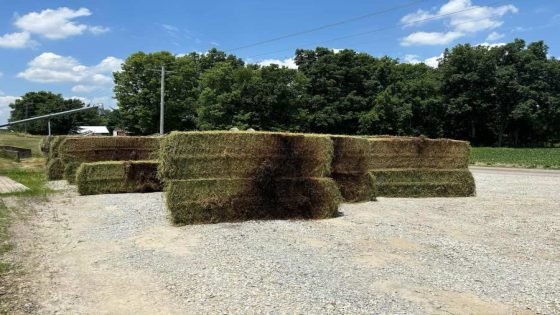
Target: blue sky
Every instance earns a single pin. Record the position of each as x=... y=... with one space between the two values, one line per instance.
x=71 y=47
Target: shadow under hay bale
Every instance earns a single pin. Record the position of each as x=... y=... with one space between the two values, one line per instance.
x=231 y=176
x=113 y=177
x=74 y=151
x=197 y=201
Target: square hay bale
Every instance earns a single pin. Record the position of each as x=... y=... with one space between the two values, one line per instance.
x=424 y=182
x=350 y=168
x=417 y=152
x=356 y=187
x=196 y=201
x=217 y=154
x=55 y=169
x=113 y=177
x=74 y=151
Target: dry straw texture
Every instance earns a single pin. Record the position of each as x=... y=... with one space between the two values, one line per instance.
x=117 y=177
x=197 y=201
x=212 y=154
x=44 y=145
x=424 y=183
x=54 y=165
x=74 y=151
x=231 y=176
x=350 y=168
x=407 y=152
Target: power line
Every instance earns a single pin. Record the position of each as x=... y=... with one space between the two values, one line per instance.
x=435 y=17
x=361 y=17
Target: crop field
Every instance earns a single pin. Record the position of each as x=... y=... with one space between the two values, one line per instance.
x=516 y=157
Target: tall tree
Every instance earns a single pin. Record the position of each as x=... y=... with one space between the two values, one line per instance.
x=34 y=104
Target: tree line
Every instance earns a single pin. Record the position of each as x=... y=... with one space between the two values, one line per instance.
x=505 y=95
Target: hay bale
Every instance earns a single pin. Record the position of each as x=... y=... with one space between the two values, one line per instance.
x=196 y=201
x=55 y=169
x=350 y=168
x=54 y=165
x=215 y=154
x=44 y=145
x=356 y=187
x=113 y=177
x=419 y=152
x=74 y=151
x=424 y=182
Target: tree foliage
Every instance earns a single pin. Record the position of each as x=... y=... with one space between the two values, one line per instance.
x=505 y=95
x=42 y=103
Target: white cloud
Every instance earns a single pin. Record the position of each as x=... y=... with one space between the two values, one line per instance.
x=16 y=40
x=96 y=30
x=57 y=23
x=416 y=17
x=413 y=59
x=52 y=68
x=80 y=88
x=5 y=100
x=494 y=36
x=433 y=61
x=430 y=38
x=289 y=62
x=471 y=19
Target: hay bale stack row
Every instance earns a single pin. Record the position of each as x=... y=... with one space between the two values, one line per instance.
x=420 y=167
x=74 y=151
x=232 y=176
x=111 y=177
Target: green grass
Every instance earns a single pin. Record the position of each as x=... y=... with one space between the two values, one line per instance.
x=516 y=157
x=29 y=172
x=21 y=140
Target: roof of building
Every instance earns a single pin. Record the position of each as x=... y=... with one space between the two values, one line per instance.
x=92 y=129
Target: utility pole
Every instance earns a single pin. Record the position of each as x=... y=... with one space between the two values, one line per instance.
x=162 y=98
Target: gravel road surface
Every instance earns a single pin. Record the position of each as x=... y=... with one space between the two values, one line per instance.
x=497 y=253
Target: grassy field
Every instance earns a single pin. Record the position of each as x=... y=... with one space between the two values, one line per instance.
x=517 y=157
x=21 y=140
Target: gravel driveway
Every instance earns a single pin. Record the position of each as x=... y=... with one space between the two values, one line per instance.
x=495 y=253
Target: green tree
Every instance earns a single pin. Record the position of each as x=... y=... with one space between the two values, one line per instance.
x=342 y=87
x=41 y=103
x=266 y=98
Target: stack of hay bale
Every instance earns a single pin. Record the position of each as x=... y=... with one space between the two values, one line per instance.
x=55 y=168
x=113 y=177
x=73 y=151
x=350 y=168
x=232 y=176
x=420 y=167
